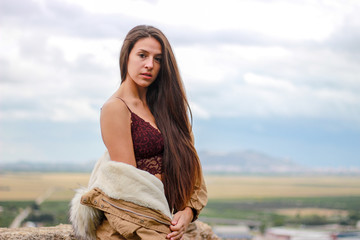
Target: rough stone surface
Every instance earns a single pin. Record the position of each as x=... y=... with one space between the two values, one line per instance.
x=200 y=230
x=60 y=232
x=196 y=231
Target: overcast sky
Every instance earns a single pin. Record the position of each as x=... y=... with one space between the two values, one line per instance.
x=275 y=76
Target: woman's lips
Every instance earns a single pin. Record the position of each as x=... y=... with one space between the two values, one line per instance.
x=146 y=75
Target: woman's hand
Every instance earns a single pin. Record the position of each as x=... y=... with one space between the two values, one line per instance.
x=180 y=223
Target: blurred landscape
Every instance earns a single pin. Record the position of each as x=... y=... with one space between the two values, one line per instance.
x=280 y=78
x=241 y=162
x=251 y=195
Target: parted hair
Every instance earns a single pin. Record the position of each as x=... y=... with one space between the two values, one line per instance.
x=167 y=101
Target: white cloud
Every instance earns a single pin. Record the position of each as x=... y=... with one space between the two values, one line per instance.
x=198 y=111
x=305 y=20
x=268 y=82
x=264 y=96
x=56 y=78
x=104 y=51
x=136 y=7
x=251 y=60
x=282 y=68
x=201 y=65
x=70 y=110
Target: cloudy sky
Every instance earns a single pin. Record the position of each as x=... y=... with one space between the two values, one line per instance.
x=275 y=76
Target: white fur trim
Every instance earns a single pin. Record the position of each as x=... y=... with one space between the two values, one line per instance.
x=119 y=181
x=84 y=219
x=123 y=181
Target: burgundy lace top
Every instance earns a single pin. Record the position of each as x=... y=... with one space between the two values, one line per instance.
x=148 y=144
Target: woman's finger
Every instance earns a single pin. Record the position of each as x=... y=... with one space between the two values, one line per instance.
x=175 y=220
x=177 y=233
x=177 y=227
x=172 y=235
x=178 y=236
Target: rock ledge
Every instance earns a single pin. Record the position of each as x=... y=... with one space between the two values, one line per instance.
x=196 y=231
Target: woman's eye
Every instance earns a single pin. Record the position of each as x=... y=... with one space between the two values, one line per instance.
x=158 y=59
x=141 y=55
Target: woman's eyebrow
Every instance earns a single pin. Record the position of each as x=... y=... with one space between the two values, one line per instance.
x=143 y=50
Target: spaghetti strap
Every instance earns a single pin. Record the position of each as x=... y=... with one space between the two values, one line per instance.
x=125 y=104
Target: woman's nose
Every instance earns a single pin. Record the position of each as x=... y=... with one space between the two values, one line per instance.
x=149 y=63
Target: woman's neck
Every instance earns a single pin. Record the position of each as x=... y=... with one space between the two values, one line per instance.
x=129 y=89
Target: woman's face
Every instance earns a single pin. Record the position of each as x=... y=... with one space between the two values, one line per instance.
x=144 y=61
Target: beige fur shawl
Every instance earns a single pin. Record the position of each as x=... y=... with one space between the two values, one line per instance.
x=119 y=181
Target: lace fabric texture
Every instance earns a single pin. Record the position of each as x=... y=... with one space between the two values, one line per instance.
x=148 y=145
x=152 y=165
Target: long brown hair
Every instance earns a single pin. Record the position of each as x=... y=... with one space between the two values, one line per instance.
x=167 y=101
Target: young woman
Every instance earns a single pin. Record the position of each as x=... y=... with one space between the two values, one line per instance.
x=149 y=183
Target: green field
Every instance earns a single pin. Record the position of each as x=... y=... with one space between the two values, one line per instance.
x=270 y=199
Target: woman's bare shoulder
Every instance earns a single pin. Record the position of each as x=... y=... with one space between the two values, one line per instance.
x=115 y=123
x=114 y=107
x=115 y=120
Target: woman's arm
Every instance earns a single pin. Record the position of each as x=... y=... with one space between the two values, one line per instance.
x=180 y=223
x=115 y=123
x=198 y=199
x=182 y=219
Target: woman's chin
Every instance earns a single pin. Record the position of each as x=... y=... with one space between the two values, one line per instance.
x=144 y=83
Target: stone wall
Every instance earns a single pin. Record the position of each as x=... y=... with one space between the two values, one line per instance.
x=197 y=231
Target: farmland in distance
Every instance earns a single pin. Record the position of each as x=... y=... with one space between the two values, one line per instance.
x=28 y=186
x=273 y=198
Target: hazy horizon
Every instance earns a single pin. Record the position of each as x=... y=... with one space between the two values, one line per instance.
x=277 y=77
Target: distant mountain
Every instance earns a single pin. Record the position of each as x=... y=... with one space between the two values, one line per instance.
x=27 y=166
x=247 y=162
x=242 y=162
x=254 y=162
